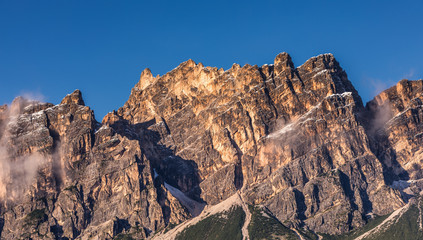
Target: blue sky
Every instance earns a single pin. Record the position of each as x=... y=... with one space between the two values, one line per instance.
x=50 y=48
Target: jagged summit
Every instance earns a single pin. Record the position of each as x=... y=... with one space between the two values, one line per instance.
x=295 y=143
x=320 y=76
x=146 y=79
x=189 y=63
x=404 y=91
x=146 y=73
x=323 y=61
x=282 y=61
x=75 y=97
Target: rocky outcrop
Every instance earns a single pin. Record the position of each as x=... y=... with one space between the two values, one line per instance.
x=397 y=116
x=295 y=140
x=275 y=132
x=90 y=180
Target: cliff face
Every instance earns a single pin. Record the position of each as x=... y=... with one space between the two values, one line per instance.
x=397 y=120
x=296 y=140
x=89 y=180
x=292 y=139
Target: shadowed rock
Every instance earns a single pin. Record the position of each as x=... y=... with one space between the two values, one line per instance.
x=296 y=140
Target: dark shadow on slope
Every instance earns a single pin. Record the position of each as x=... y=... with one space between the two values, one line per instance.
x=346 y=186
x=239 y=177
x=176 y=171
x=301 y=205
x=1 y=226
x=57 y=230
x=350 y=189
x=120 y=225
x=380 y=144
x=385 y=152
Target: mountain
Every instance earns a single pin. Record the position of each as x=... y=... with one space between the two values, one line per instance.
x=275 y=151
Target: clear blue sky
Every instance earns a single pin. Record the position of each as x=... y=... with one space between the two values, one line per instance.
x=50 y=48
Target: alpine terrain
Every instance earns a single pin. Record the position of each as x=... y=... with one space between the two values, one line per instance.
x=272 y=152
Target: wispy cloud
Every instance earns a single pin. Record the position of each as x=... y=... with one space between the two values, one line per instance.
x=410 y=74
x=378 y=85
x=33 y=95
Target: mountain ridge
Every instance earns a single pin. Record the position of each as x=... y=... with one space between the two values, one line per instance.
x=295 y=140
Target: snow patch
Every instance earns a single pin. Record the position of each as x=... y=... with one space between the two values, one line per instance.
x=104 y=127
x=418 y=135
x=344 y=94
x=402 y=184
x=315 y=58
x=288 y=128
x=400 y=114
x=293 y=125
x=155 y=173
x=321 y=72
x=193 y=206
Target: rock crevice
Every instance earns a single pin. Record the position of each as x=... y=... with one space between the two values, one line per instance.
x=295 y=140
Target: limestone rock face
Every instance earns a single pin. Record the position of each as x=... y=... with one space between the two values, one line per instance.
x=87 y=180
x=397 y=122
x=296 y=140
x=75 y=98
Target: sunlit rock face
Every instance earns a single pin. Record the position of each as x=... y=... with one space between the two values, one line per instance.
x=67 y=176
x=296 y=140
x=398 y=125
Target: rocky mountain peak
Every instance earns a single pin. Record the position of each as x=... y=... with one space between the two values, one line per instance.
x=282 y=62
x=23 y=105
x=74 y=98
x=284 y=58
x=18 y=105
x=321 y=62
x=189 y=63
x=295 y=141
x=145 y=80
x=146 y=73
x=400 y=96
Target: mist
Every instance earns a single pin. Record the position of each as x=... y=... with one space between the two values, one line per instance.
x=280 y=142
x=16 y=174
x=17 y=170
x=382 y=114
